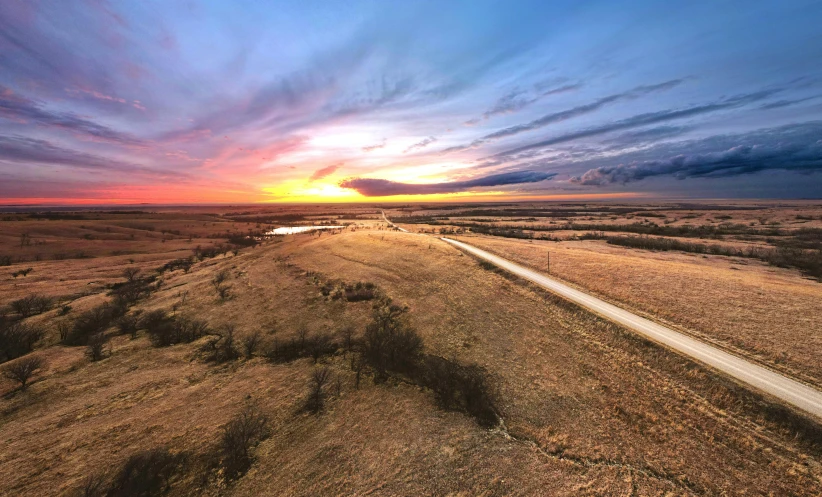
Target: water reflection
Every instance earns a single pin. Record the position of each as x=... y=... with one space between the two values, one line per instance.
x=290 y=230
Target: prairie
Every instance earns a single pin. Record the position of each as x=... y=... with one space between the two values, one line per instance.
x=584 y=408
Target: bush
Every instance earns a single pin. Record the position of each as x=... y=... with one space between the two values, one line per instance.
x=128 y=325
x=31 y=305
x=21 y=370
x=239 y=437
x=165 y=330
x=315 y=346
x=17 y=339
x=146 y=473
x=462 y=388
x=184 y=264
x=218 y=282
x=129 y=293
x=320 y=345
x=220 y=348
x=96 y=347
x=390 y=344
x=89 y=323
x=360 y=291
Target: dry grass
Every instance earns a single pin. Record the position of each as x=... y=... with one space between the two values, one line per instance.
x=760 y=311
x=591 y=410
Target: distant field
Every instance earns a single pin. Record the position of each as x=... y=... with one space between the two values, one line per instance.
x=585 y=408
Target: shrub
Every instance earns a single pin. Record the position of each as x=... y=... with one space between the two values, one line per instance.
x=128 y=325
x=320 y=345
x=360 y=291
x=165 y=330
x=315 y=346
x=146 y=473
x=89 y=323
x=22 y=369
x=17 y=339
x=389 y=343
x=239 y=437
x=218 y=282
x=184 y=264
x=129 y=293
x=96 y=346
x=458 y=387
x=220 y=348
x=31 y=305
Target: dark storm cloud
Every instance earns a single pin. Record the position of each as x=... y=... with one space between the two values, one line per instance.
x=381 y=187
x=644 y=120
x=791 y=148
x=20 y=109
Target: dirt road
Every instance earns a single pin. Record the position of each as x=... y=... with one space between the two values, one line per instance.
x=790 y=391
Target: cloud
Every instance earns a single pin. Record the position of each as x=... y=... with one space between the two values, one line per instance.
x=383 y=188
x=517 y=100
x=24 y=150
x=789 y=148
x=18 y=108
x=632 y=138
x=582 y=109
x=324 y=172
x=371 y=148
x=785 y=103
x=644 y=120
x=511 y=102
x=421 y=144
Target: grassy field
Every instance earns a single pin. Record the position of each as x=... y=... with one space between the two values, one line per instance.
x=759 y=311
x=584 y=408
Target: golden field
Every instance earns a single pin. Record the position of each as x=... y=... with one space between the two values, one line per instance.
x=585 y=408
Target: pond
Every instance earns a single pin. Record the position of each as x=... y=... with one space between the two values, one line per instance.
x=290 y=230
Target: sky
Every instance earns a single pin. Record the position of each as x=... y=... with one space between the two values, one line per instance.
x=195 y=101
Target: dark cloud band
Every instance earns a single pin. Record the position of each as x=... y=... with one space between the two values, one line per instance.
x=383 y=188
x=790 y=148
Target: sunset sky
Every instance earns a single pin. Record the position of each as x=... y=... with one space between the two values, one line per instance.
x=249 y=101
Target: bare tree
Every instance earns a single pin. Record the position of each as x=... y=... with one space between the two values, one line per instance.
x=239 y=437
x=130 y=273
x=316 y=394
x=348 y=338
x=250 y=344
x=17 y=339
x=23 y=369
